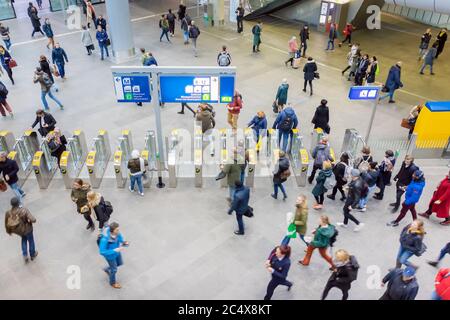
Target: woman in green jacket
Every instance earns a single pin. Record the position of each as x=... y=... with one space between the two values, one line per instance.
x=282 y=94
x=319 y=189
x=322 y=236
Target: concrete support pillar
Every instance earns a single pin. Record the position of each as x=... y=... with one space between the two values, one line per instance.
x=120 y=30
x=218 y=11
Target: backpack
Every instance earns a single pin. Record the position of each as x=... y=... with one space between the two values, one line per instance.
x=47 y=81
x=286 y=124
x=53 y=146
x=13 y=221
x=321 y=156
x=330 y=182
x=224 y=59
x=254 y=29
x=3 y=90
x=365 y=189
x=363 y=166
x=194 y=32
x=333 y=238
x=353 y=274
x=108 y=208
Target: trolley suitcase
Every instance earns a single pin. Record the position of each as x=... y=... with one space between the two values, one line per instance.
x=296 y=63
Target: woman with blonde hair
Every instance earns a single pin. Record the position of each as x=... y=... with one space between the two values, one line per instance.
x=56 y=143
x=101 y=208
x=411 y=243
x=320 y=188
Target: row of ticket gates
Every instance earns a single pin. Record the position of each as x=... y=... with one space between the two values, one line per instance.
x=33 y=154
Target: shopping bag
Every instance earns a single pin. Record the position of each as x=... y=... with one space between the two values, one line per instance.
x=405 y=124
x=296 y=63
x=12 y=63
x=3 y=186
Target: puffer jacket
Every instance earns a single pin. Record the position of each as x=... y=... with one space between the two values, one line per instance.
x=414 y=191
x=310 y=69
x=79 y=196
x=442 y=284
x=345 y=273
x=411 y=241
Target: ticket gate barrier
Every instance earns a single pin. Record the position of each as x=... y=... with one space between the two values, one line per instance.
x=250 y=152
x=273 y=147
x=353 y=143
x=6 y=141
x=299 y=159
x=126 y=144
x=173 y=143
x=224 y=154
x=23 y=153
x=72 y=160
x=198 y=157
x=149 y=154
x=44 y=165
x=120 y=168
x=98 y=157
x=316 y=136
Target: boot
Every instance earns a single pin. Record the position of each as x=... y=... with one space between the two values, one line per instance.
x=331 y=196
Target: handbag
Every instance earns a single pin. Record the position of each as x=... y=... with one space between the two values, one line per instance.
x=221 y=175
x=3 y=186
x=12 y=63
x=108 y=42
x=91 y=47
x=316 y=75
x=249 y=212
x=275 y=107
x=405 y=124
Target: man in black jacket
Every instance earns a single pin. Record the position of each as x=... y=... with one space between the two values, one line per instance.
x=322 y=117
x=9 y=169
x=240 y=204
x=46 y=122
x=402 y=284
x=403 y=179
x=304 y=36
x=240 y=18
x=355 y=191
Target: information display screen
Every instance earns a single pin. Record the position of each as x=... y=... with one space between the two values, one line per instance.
x=363 y=93
x=132 y=88
x=196 y=89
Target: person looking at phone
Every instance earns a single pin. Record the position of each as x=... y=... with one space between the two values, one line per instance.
x=110 y=247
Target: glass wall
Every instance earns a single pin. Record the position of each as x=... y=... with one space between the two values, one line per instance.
x=55 y=5
x=6 y=10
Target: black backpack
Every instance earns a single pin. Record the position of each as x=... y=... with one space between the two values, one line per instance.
x=108 y=208
x=3 y=91
x=254 y=29
x=353 y=269
x=286 y=124
x=333 y=238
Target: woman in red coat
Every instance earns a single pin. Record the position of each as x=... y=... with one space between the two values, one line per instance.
x=440 y=203
x=442 y=285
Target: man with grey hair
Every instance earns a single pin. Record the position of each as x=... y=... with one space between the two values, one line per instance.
x=9 y=170
x=194 y=32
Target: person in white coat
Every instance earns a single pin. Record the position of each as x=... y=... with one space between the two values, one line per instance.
x=86 y=39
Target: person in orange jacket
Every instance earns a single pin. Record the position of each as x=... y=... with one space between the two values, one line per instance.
x=442 y=285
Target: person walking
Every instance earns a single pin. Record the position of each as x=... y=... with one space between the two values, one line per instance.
x=234 y=109
x=164 y=26
x=361 y=71
x=206 y=119
x=372 y=71
x=224 y=57
x=442 y=285
x=194 y=32
x=5 y=59
x=412 y=119
x=284 y=123
x=350 y=57
x=239 y=204
x=386 y=167
x=345 y=272
x=370 y=177
x=86 y=39
x=411 y=243
x=102 y=210
x=6 y=36
x=240 y=12
x=442 y=39
x=47 y=28
x=101 y=22
x=35 y=21
x=304 y=37
x=171 y=20
x=293 y=51
x=445 y=250
x=280 y=175
x=356 y=58
x=45 y=66
x=332 y=35
x=424 y=43
x=355 y=190
x=59 y=58
x=393 y=82
x=341 y=173
x=320 y=154
x=282 y=94
x=429 y=59
x=110 y=247
x=80 y=189
x=301 y=217
x=137 y=168
x=90 y=15
x=412 y=196
x=402 y=284
x=232 y=171
x=46 y=122
x=322 y=185
x=256 y=31
x=103 y=40
x=310 y=71
x=46 y=86
x=185 y=105
x=57 y=144
x=181 y=11
x=4 y=105
x=185 y=28
x=322 y=117
x=259 y=127
x=19 y=221
x=9 y=169
x=403 y=179
x=278 y=264
x=323 y=236
x=440 y=202
x=348 y=30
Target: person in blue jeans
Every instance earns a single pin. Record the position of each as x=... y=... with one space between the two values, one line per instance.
x=332 y=35
x=19 y=220
x=102 y=38
x=136 y=166
x=46 y=86
x=9 y=169
x=59 y=58
x=240 y=205
x=411 y=243
x=445 y=250
x=280 y=175
x=110 y=246
x=4 y=33
x=259 y=127
x=285 y=122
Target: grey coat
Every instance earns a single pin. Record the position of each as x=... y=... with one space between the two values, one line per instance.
x=430 y=55
x=86 y=38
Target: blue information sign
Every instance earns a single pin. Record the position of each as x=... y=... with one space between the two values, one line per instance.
x=132 y=88
x=196 y=89
x=363 y=93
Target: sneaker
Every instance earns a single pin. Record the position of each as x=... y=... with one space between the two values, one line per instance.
x=274 y=196
x=394 y=210
x=343 y=198
x=23 y=195
x=284 y=197
x=341 y=224
x=88 y=226
x=131 y=190
x=425 y=215
x=393 y=204
x=391 y=101
x=330 y=196
x=180 y=112
x=141 y=194
x=34 y=257
x=302 y=263
x=362 y=209
x=289 y=287
x=421 y=73
x=378 y=197
x=359 y=227
x=304 y=90
x=238 y=233
x=116 y=286
x=392 y=224
x=433 y=263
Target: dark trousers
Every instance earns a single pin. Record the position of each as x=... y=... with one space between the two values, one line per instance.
x=28 y=243
x=384 y=180
x=320 y=198
x=304 y=46
x=359 y=77
x=166 y=33
x=37 y=30
x=240 y=25
x=386 y=296
x=341 y=190
x=347 y=68
x=275 y=282
x=349 y=216
x=313 y=172
x=88 y=49
x=87 y=217
x=185 y=105
x=405 y=209
x=398 y=196
x=310 y=85
x=333 y=284
x=240 y=222
x=172 y=27
x=9 y=72
x=444 y=251
x=348 y=38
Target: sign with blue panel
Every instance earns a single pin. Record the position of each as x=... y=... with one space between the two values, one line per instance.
x=363 y=93
x=132 y=87
x=197 y=88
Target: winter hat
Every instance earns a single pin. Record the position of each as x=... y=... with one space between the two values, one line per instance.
x=355 y=173
x=409 y=272
x=418 y=174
